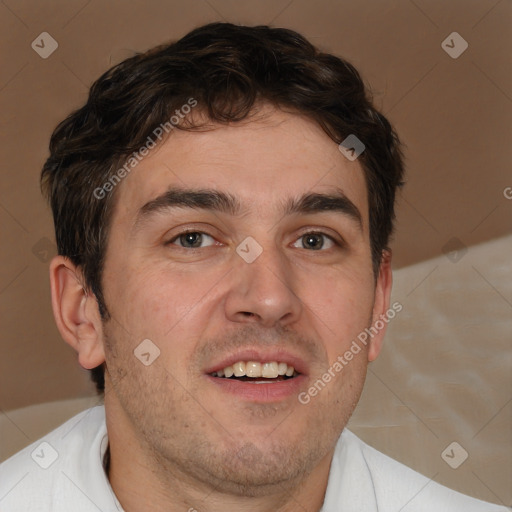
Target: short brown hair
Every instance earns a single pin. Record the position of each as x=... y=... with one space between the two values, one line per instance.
x=227 y=69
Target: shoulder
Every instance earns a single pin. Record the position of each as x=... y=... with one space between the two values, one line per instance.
x=363 y=475
x=59 y=470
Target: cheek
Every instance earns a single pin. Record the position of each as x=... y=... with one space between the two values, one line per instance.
x=150 y=306
x=161 y=305
x=342 y=299
x=342 y=308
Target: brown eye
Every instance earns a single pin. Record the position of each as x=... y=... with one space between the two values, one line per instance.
x=315 y=241
x=312 y=241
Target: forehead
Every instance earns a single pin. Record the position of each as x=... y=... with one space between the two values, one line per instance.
x=263 y=162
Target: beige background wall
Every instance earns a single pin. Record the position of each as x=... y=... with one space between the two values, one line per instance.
x=443 y=375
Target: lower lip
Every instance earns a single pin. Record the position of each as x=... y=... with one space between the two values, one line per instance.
x=250 y=391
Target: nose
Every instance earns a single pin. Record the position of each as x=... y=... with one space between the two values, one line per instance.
x=263 y=292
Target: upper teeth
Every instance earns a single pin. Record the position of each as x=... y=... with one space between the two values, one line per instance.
x=255 y=369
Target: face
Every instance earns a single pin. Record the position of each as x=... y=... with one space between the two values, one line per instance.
x=267 y=262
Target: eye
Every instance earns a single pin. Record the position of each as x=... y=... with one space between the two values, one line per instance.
x=192 y=240
x=315 y=241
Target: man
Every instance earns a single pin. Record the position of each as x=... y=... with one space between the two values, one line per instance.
x=223 y=207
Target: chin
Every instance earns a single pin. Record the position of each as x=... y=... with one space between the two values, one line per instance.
x=252 y=470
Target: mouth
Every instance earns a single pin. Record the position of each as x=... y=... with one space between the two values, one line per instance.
x=256 y=372
x=259 y=378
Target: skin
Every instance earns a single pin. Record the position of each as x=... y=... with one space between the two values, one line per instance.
x=173 y=433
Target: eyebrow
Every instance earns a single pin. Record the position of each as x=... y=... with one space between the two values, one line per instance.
x=218 y=201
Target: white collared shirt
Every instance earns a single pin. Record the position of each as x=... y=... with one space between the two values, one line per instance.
x=64 y=472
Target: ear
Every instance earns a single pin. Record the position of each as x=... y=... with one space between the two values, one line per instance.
x=76 y=312
x=381 y=304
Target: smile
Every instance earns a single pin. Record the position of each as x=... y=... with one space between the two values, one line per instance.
x=276 y=381
x=256 y=372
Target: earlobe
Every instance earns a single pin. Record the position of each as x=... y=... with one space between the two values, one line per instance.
x=76 y=312
x=381 y=304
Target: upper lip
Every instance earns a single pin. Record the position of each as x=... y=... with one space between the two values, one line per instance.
x=262 y=356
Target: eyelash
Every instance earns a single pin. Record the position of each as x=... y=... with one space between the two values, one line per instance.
x=337 y=243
